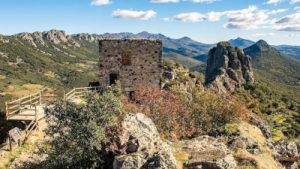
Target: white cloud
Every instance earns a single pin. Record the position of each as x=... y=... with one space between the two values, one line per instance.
x=190 y=17
x=175 y=1
x=100 y=2
x=294 y=35
x=290 y=19
x=277 y=11
x=202 y=1
x=274 y=1
x=248 y=18
x=297 y=8
x=263 y=34
x=287 y=23
x=198 y=17
x=131 y=14
x=294 y=1
x=290 y=28
x=164 y=1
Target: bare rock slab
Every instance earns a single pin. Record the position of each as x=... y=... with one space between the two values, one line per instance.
x=146 y=150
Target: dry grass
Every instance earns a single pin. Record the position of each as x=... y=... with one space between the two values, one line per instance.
x=26 y=89
x=180 y=155
x=263 y=160
x=51 y=74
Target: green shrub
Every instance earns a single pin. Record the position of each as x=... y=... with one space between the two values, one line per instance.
x=78 y=132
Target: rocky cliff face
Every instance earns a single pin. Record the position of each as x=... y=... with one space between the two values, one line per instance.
x=228 y=68
x=143 y=146
x=40 y=38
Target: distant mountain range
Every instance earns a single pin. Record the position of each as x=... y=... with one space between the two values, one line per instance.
x=240 y=42
x=274 y=63
x=185 y=49
x=57 y=59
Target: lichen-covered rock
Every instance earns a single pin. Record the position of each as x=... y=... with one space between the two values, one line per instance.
x=144 y=147
x=130 y=161
x=228 y=68
x=208 y=152
x=176 y=75
x=286 y=149
x=246 y=143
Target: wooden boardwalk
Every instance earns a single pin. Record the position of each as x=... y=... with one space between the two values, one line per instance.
x=24 y=108
x=35 y=113
x=31 y=109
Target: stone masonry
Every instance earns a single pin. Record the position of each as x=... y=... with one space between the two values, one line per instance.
x=133 y=62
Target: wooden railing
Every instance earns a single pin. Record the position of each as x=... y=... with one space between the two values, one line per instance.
x=78 y=92
x=33 y=125
x=30 y=103
x=27 y=102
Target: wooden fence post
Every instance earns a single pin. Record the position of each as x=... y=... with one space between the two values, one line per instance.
x=40 y=94
x=6 y=109
x=35 y=111
x=30 y=101
x=36 y=119
x=19 y=104
x=10 y=144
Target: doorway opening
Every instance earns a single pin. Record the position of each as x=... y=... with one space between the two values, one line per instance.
x=113 y=77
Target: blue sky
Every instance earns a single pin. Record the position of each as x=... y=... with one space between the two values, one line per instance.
x=207 y=21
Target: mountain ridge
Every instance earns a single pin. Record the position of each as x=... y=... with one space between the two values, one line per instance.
x=194 y=49
x=272 y=65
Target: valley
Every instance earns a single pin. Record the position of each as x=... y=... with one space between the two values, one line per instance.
x=56 y=60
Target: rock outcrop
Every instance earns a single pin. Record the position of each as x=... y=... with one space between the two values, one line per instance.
x=27 y=37
x=86 y=37
x=177 y=75
x=144 y=148
x=56 y=36
x=287 y=153
x=228 y=68
x=39 y=38
x=208 y=152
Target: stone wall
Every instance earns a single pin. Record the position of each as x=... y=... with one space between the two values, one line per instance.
x=133 y=62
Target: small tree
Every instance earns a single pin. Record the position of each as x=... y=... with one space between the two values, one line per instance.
x=78 y=132
x=165 y=109
x=210 y=111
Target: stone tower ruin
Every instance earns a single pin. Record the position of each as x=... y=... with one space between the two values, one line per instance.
x=133 y=62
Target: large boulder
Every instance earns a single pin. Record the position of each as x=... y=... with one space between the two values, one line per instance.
x=228 y=68
x=286 y=149
x=144 y=148
x=208 y=153
x=287 y=154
